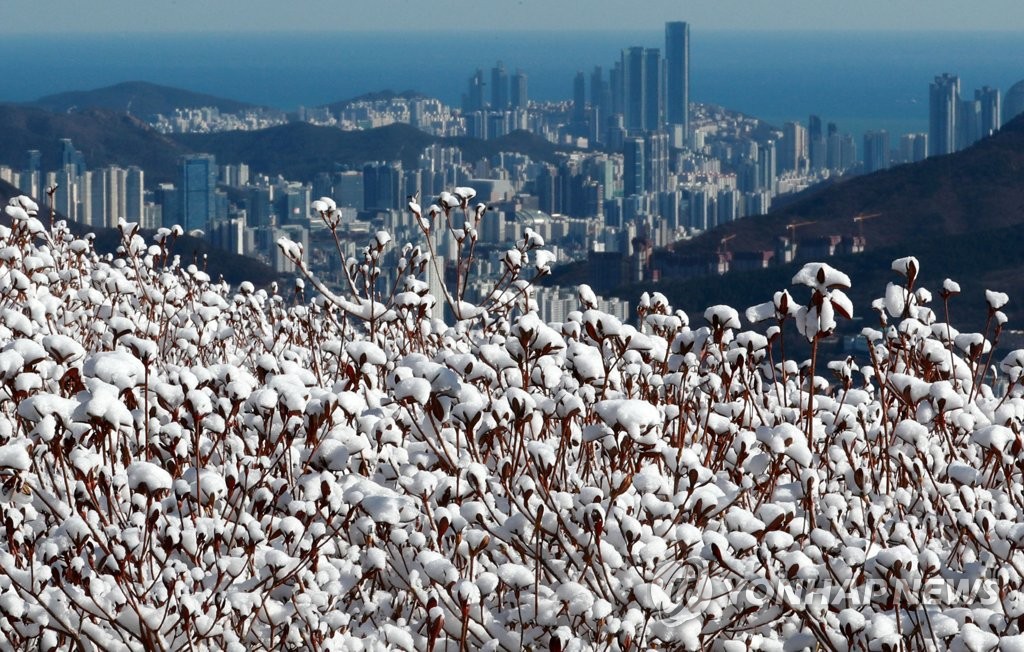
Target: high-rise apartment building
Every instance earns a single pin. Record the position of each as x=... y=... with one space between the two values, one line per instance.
x=654 y=89
x=499 y=87
x=943 y=106
x=766 y=166
x=991 y=109
x=348 y=188
x=518 y=95
x=383 y=185
x=634 y=159
x=642 y=89
x=579 y=100
x=634 y=89
x=198 y=182
x=473 y=100
x=913 y=147
x=968 y=123
x=134 y=206
x=65 y=200
x=656 y=161
x=677 y=76
x=1014 y=102
x=600 y=95
x=71 y=156
x=96 y=213
x=616 y=84
x=116 y=183
x=876 y=151
x=817 y=148
x=32 y=177
x=794 y=147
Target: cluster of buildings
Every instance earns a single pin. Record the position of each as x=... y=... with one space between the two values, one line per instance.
x=642 y=168
x=96 y=197
x=210 y=119
x=956 y=122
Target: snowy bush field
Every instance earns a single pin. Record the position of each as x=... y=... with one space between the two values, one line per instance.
x=185 y=465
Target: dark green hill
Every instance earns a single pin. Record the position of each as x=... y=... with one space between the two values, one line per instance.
x=104 y=137
x=979 y=188
x=977 y=261
x=961 y=215
x=299 y=150
x=536 y=147
x=137 y=98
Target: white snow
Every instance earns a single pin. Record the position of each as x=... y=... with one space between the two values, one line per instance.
x=239 y=459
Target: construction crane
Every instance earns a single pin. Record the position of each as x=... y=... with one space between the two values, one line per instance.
x=723 y=244
x=792 y=229
x=860 y=219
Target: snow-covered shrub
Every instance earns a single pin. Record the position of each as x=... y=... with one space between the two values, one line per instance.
x=184 y=464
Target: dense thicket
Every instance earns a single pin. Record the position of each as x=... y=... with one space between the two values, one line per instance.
x=188 y=464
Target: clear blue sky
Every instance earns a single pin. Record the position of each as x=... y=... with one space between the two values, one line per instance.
x=68 y=16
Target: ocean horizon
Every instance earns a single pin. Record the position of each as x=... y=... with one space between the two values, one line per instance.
x=859 y=80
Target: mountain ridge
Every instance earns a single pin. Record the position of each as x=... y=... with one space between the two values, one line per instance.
x=299 y=150
x=139 y=98
x=103 y=137
x=959 y=214
x=969 y=190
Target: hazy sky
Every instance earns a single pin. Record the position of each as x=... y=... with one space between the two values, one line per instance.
x=35 y=16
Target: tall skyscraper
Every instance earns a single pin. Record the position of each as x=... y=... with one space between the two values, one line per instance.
x=794 y=147
x=654 y=89
x=499 y=87
x=579 y=101
x=634 y=89
x=518 y=94
x=616 y=84
x=169 y=199
x=991 y=109
x=968 y=123
x=65 y=200
x=348 y=189
x=1014 y=104
x=600 y=94
x=876 y=151
x=766 y=167
x=35 y=161
x=943 y=105
x=847 y=152
x=677 y=68
x=117 y=194
x=656 y=161
x=198 y=181
x=473 y=100
x=643 y=90
x=383 y=185
x=435 y=274
x=32 y=178
x=816 y=144
x=259 y=207
x=85 y=198
x=98 y=195
x=634 y=177
x=134 y=194
x=913 y=147
x=71 y=156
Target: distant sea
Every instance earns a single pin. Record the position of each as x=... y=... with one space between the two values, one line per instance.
x=859 y=80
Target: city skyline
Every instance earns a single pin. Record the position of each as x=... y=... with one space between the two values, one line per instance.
x=66 y=16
